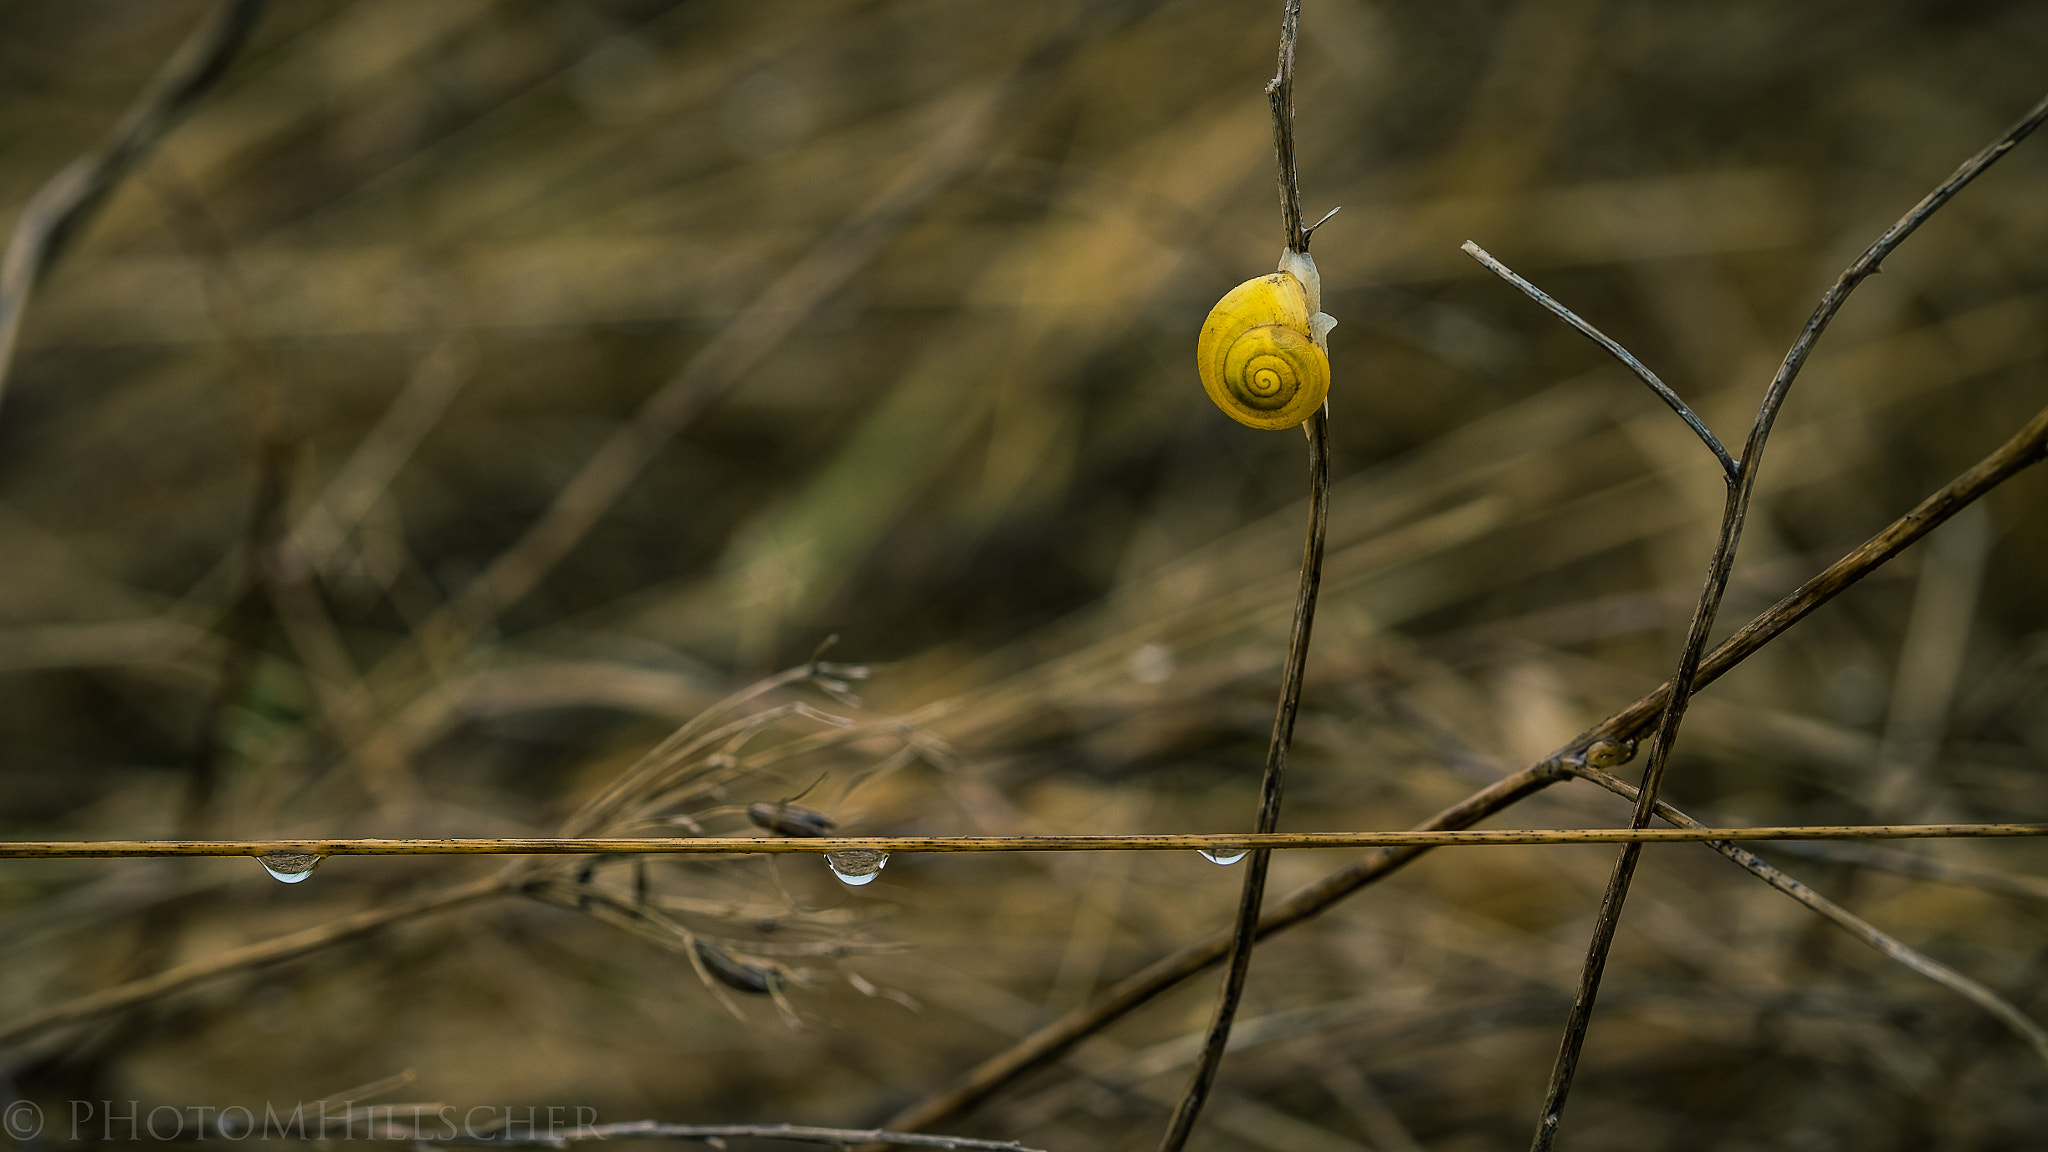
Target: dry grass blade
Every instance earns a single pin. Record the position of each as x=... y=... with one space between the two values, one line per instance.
x=2033 y=888
x=64 y=203
x=2009 y=1014
x=422 y=1126
x=789 y=844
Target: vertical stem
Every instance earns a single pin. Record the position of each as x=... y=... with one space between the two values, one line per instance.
x=1280 y=93
x=1245 y=932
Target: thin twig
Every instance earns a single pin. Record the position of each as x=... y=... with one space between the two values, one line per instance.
x=1280 y=94
x=1628 y=360
x=1733 y=518
x=2021 y=1024
x=822 y=845
x=1245 y=931
x=1924 y=868
x=66 y=200
x=2025 y=448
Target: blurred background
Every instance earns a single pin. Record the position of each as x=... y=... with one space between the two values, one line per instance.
x=465 y=394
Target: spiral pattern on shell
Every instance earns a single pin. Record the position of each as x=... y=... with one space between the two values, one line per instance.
x=1258 y=356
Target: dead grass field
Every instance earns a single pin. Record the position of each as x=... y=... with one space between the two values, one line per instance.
x=876 y=318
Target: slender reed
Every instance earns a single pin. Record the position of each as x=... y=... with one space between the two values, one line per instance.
x=824 y=845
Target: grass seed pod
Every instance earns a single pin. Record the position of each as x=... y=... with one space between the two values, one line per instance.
x=1261 y=354
x=786 y=819
x=734 y=973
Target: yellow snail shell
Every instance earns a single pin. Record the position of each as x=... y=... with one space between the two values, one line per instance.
x=1264 y=352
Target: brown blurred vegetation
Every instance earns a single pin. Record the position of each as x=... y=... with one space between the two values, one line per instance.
x=461 y=243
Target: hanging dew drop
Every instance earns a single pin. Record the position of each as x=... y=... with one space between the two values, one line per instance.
x=857 y=866
x=290 y=867
x=1226 y=855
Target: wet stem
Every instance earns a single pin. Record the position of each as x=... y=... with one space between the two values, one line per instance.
x=1245 y=930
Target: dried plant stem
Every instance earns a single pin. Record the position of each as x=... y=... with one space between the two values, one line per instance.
x=820 y=845
x=1733 y=519
x=2021 y=1024
x=1280 y=94
x=1627 y=358
x=2025 y=448
x=1245 y=933
x=66 y=199
x=1925 y=868
x=709 y=1133
x=260 y=954
x=420 y=1125
x=1272 y=785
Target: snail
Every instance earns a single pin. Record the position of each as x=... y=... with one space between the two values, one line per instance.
x=1264 y=352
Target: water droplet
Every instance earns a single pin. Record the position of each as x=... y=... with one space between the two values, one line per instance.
x=290 y=867
x=857 y=866
x=1225 y=854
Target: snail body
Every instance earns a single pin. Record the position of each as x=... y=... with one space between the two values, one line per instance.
x=1264 y=351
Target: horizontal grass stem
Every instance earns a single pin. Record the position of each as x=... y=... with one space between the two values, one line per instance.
x=754 y=845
